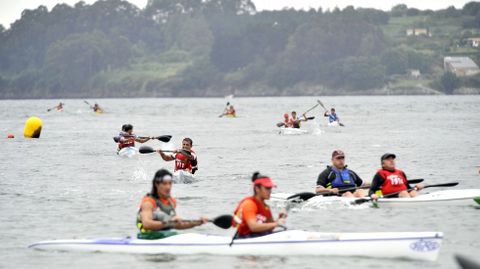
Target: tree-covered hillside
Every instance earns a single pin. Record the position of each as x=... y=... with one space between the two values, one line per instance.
x=217 y=47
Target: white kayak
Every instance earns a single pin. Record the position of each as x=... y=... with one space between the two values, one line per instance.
x=407 y=245
x=128 y=152
x=292 y=131
x=443 y=197
x=182 y=176
x=333 y=124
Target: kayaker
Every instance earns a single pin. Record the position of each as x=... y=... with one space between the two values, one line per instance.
x=231 y=111
x=332 y=115
x=60 y=106
x=389 y=180
x=157 y=211
x=97 y=108
x=185 y=159
x=338 y=177
x=294 y=121
x=127 y=138
x=253 y=216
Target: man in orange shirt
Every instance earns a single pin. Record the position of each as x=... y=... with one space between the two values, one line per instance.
x=157 y=215
x=253 y=216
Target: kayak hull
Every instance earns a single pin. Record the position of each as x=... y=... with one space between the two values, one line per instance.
x=444 y=197
x=407 y=245
x=128 y=152
x=181 y=176
x=292 y=131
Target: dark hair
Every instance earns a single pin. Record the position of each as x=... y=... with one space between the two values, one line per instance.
x=127 y=127
x=158 y=176
x=256 y=175
x=189 y=140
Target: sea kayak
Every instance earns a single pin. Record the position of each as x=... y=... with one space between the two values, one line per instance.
x=406 y=245
x=444 y=197
x=333 y=124
x=182 y=176
x=292 y=131
x=128 y=152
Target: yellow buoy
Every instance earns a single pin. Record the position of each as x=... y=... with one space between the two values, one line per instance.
x=33 y=127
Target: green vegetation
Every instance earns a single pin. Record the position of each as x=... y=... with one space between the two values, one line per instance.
x=213 y=48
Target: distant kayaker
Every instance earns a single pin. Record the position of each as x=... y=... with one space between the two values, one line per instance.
x=389 y=180
x=127 y=138
x=60 y=106
x=231 y=111
x=96 y=108
x=332 y=116
x=338 y=177
x=294 y=121
x=253 y=216
x=185 y=159
x=157 y=211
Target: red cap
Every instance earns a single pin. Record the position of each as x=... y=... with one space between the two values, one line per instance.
x=337 y=153
x=264 y=181
x=285 y=115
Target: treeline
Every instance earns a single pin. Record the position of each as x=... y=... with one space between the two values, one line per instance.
x=208 y=48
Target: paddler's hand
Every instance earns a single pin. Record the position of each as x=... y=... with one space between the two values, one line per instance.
x=283 y=214
x=203 y=220
x=419 y=186
x=374 y=197
x=334 y=190
x=281 y=222
x=176 y=219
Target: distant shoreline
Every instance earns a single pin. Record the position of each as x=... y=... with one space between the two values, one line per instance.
x=324 y=92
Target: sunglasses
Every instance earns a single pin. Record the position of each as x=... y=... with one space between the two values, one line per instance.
x=339 y=158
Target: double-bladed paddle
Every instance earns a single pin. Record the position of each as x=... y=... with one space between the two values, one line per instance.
x=163 y=138
x=304 y=196
x=222 y=221
x=147 y=150
x=363 y=200
x=280 y=124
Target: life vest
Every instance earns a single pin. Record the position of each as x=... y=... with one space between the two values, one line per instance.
x=394 y=181
x=332 y=117
x=182 y=162
x=161 y=211
x=294 y=123
x=126 y=140
x=263 y=214
x=343 y=179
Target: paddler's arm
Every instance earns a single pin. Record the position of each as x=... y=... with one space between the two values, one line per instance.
x=182 y=225
x=256 y=227
x=326 y=114
x=322 y=182
x=417 y=187
x=146 y=215
x=358 y=180
x=377 y=182
x=142 y=139
x=164 y=156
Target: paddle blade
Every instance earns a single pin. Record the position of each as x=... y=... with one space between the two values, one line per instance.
x=415 y=181
x=361 y=201
x=310 y=118
x=452 y=184
x=145 y=150
x=165 y=138
x=280 y=124
x=303 y=196
x=223 y=221
x=116 y=139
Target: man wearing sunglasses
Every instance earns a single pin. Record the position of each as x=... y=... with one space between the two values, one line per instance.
x=337 y=179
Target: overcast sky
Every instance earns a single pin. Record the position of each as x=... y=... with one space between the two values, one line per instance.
x=10 y=10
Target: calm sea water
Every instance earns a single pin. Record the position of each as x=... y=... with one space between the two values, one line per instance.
x=71 y=184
